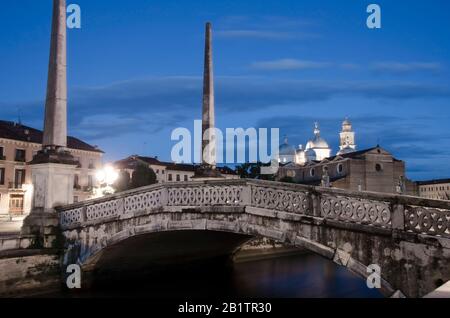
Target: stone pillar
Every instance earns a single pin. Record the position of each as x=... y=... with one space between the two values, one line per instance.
x=53 y=168
x=208 y=115
x=55 y=123
x=208 y=168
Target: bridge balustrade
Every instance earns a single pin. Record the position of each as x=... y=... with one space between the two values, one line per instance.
x=403 y=213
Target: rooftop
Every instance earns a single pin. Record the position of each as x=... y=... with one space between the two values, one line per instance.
x=358 y=154
x=435 y=181
x=19 y=132
x=130 y=161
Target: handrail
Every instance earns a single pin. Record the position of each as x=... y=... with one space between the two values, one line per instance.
x=394 y=212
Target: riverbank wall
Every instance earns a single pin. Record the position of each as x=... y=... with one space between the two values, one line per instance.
x=28 y=272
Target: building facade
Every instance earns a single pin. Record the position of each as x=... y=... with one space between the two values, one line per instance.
x=18 y=145
x=167 y=171
x=434 y=189
x=373 y=169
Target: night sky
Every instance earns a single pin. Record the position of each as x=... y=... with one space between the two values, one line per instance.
x=135 y=72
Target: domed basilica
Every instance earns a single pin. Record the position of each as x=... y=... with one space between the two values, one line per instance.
x=317 y=148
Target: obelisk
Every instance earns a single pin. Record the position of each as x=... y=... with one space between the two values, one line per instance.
x=52 y=168
x=54 y=139
x=55 y=123
x=208 y=166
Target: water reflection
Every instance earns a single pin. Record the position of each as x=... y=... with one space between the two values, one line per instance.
x=302 y=276
x=297 y=276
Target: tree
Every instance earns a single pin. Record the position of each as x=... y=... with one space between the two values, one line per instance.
x=123 y=181
x=253 y=171
x=142 y=176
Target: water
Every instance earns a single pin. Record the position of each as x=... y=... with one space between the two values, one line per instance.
x=297 y=276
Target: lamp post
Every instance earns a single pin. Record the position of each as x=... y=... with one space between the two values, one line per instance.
x=106 y=177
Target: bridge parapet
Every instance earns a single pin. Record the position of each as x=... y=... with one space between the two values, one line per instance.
x=403 y=213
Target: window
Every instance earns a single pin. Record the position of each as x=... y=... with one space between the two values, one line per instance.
x=2 y=153
x=19 y=178
x=75 y=199
x=378 y=168
x=2 y=176
x=178 y=177
x=91 y=164
x=76 y=182
x=78 y=159
x=20 y=155
x=90 y=181
x=312 y=172
x=163 y=171
x=185 y=178
x=170 y=177
x=157 y=171
x=16 y=204
x=340 y=168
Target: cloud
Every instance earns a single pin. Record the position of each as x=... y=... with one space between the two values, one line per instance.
x=392 y=68
x=257 y=34
x=153 y=104
x=265 y=27
x=399 y=68
x=288 y=64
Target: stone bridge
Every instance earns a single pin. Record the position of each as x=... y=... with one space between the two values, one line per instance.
x=408 y=237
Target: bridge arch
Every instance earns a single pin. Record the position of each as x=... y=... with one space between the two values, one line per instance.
x=352 y=229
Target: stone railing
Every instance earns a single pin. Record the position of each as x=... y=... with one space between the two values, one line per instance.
x=403 y=213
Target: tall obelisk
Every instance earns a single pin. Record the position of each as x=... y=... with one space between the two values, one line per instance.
x=54 y=140
x=55 y=124
x=208 y=167
x=52 y=168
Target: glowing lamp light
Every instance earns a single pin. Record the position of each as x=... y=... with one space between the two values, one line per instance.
x=108 y=175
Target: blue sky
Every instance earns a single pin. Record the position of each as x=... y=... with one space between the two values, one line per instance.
x=135 y=72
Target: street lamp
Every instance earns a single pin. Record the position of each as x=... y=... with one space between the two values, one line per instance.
x=106 y=177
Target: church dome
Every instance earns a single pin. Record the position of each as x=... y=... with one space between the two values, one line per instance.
x=317 y=142
x=346 y=149
x=310 y=155
x=346 y=125
x=287 y=150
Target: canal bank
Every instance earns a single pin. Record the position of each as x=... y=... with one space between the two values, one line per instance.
x=28 y=272
x=263 y=248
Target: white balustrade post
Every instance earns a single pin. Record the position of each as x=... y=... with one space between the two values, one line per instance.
x=164 y=196
x=315 y=204
x=246 y=196
x=398 y=217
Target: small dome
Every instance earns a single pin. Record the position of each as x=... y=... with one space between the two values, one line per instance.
x=345 y=150
x=310 y=154
x=287 y=150
x=346 y=125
